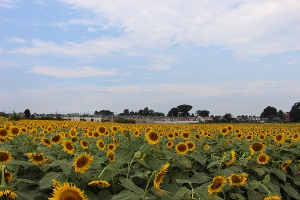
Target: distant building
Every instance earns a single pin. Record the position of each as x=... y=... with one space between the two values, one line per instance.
x=287 y=117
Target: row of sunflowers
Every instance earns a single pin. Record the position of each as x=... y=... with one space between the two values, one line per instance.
x=64 y=160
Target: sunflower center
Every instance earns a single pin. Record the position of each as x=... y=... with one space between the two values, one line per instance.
x=69 y=146
x=235 y=179
x=217 y=184
x=56 y=138
x=279 y=137
x=182 y=148
x=38 y=157
x=257 y=146
x=102 y=130
x=15 y=131
x=101 y=144
x=81 y=162
x=3 y=132
x=3 y=156
x=262 y=158
x=70 y=195
x=153 y=136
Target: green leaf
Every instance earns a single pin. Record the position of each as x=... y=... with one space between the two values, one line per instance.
x=254 y=185
x=212 y=164
x=267 y=178
x=127 y=183
x=161 y=193
x=259 y=171
x=290 y=190
x=280 y=174
x=294 y=169
x=113 y=167
x=254 y=195
x=46 y=181
x=183 y=191
x=200 y=178
x=198 y=157
x=296 y=180
x=182 y=181
x=67 y=168
x=244 y=161
x=126 y=195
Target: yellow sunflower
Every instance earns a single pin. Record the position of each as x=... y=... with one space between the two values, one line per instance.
x=14 y=131
x=272 y=197
x=73 y=132
x=100 y=144
x=143 y=156
x=8 y=193
x=82 y=163
x=68 y=192
x=160 y=175
x=46 y=142
x=279 y=138
x=111 y=147
x=224 y=131
x=101 y=130
x=181 y=148
x=186 y=135
x=100 y=183
x=263 y=159
x=7 y=175
x=217 y=184
x=206 y=147
x=152 y=137
x=84 y=144
x=5 y=157
x=116 y=142
x=237 y=180
x=170 y=144
x=111 y=156
x=296 y=137
x=256 y=147
x=56 y=139
x=68 y=146
x=285 y=165
x=3 y=133
x=191 y=145
x=231 y=157
x=37 y=159
x=171 y=136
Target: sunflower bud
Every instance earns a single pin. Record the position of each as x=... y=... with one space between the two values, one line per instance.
x=137 y=154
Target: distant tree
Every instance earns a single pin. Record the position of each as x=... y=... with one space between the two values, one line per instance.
x=103 y=113
x=280 y=114
x=202 y=113
x=3 y=114
x=269 y=112
x=27 y=113
x=183 y=110
x=141 y=112
x=15 y=117
x=227 y=117
x=217 y=118
x=173 y=112
x=32 y=116
x=295 y=112
x=126 y=112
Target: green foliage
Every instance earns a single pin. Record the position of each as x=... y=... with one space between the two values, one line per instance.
x=295 y=112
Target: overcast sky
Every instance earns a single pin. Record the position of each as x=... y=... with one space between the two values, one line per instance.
x=229 y=56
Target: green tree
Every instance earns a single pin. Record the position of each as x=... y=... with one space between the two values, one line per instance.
x=173 y=112
x=280 y=114
x=227 y=117
x=15 y=117
x=295 y=112
x=183 y=110
x=103 y=113
x=27 y=113
x=269 y=112
x=202 y=113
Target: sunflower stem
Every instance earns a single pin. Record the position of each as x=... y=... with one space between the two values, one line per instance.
x=146 y=189
x=129 y=165
x=102 y=172
x=3 y=184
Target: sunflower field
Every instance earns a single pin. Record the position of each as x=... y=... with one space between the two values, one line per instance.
x=66 y=160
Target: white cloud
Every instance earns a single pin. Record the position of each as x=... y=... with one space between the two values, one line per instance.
x=16 y=40
x=92 y=30
x=7 y=4
x=72 y=72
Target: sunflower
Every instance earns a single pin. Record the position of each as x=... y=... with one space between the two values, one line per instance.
x=5 y=157
x=84 y=144
x=3 y=133
x=82 y=162
x=116 y=141
x=152 y=137
x=96 y=134
x=8 y=193
x=68 y=192
x=197 y=136
x=181 y=148
x=186 y=135
x=111 y=156
x=217 y=184
x=7 y=175
x=171 y=136
x=261 y=137
x=239 y=136
x=191 y=145
x=160 y=175
x=170 y=144
x=111 y=147
x=15 y=131
x=231 y=158
x=272 y=197
x=73 y=132
x=263 y=159
x=279 y=138
x=143 y=156
x=56 y=139
x=206 y=147
x=90 y=134
x=99 y=183
x=23 y=130
x=237 y=180
x=56 y=184
x=229 y=128
x=100 y=144
x=296 y=137
x=46 y=142
x=285 y=165
x=249 y=137
x=114 y=129
x=224 y=131
x=68 y=146
x=37 y=159
x=256 y=147
x=101 y=130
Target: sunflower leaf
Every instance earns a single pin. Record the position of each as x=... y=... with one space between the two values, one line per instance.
x=212 y=164
x=290 y=190
x=46 y=181
x=126 y=195
x=127 y=183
